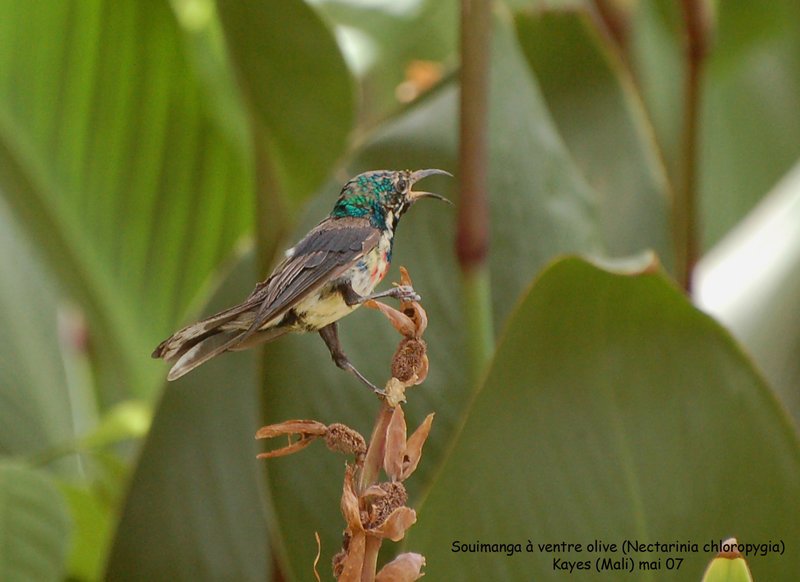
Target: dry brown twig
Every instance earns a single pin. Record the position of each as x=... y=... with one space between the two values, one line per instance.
x=375 y=510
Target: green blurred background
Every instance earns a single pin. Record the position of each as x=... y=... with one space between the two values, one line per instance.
x=155 y=157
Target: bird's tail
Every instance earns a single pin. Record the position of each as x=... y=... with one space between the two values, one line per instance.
x=199 y=342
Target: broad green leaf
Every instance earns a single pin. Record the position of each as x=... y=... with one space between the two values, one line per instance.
x=36 y=411
x=751 y=123
x=117 y=171
x=599 y=114
x=540 y=207
x=297 y=83
x=34 y=526
x=193 y=511
x=655 y=57
x=616 y=411
x=750 y=281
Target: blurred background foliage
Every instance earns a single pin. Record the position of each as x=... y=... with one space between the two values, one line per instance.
x=156 y=155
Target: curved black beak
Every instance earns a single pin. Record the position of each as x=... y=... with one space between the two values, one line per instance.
x=419 y=175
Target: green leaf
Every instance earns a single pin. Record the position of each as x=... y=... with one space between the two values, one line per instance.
x=117 y=170
x=193 y=511
x=599 y=114
x=296 y=81
x=34 y=527
x=613 y=410
x=36 y=411
x=751 y=95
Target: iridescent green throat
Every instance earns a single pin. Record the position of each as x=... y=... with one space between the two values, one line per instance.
x=363 y=206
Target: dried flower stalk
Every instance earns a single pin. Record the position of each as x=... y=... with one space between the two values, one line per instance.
x=375 y=510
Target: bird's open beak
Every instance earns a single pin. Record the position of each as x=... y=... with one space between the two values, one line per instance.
x=419 y=175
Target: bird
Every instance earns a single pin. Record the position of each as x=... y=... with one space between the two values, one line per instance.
x=329 y=273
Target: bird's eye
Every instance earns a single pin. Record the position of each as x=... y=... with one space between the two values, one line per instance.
x=401 y=184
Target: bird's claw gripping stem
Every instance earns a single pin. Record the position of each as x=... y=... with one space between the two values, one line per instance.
x=405 y=293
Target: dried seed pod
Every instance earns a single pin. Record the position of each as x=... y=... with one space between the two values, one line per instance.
x=409 y=360
x=341 y=438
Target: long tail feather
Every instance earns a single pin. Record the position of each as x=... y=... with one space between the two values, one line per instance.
x=234 y=320
x=203 y=350
x=197 y=343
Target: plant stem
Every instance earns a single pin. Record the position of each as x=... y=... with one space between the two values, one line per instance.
x=371 y=559
x=476 y=290
x=685 y=219
x=472 y=237
x=615 y=22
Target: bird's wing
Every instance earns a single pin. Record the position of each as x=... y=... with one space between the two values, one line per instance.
x=323 y=254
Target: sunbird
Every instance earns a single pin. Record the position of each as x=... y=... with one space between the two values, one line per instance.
x=328 y=274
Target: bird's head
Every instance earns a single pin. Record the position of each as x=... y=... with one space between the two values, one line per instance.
x=383 y=195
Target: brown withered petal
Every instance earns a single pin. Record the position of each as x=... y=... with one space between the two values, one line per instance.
x=417 y=314
x=287 y=450
x=396 y=525
x=405 y=278
x=395 y=444
x=301 y=427
x=341 y=438
x=422 y=373
x=399 y=320
x=350 y=510
x=338 y=563
x=353 y=562
x=408 y=360
x=373 y=491
x=308 y=430
x=404 y=568
x=413 y=451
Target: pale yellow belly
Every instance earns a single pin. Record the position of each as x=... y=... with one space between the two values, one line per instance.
x=318 y=310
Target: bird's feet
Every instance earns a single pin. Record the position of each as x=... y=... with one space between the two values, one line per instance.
x=405 y=293
x=400 y=292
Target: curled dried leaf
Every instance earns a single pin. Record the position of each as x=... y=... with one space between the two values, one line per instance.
x=316 y=559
